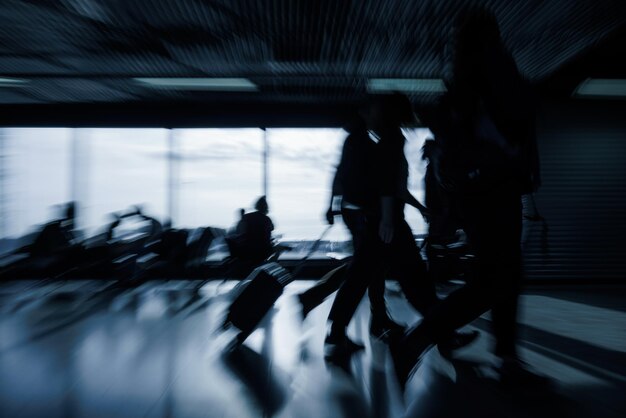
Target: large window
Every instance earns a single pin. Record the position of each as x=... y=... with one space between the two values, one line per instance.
x=221 y=171
x=301 y=168
x=35 y=177
x=198 y=177
x=417 y=168
x=126 y=167
x=302 y=165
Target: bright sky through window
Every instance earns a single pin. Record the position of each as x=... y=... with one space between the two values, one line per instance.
x=218 y=171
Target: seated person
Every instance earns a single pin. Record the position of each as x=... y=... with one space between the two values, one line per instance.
x=56 y=236
x=253 y=240
x=55 y=248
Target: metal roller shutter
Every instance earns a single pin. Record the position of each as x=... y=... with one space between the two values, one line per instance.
x=583 y=197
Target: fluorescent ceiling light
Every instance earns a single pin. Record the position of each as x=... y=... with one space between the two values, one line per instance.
x=12 y=82
x=601 y=87
x=406 y=85
x=193 y=83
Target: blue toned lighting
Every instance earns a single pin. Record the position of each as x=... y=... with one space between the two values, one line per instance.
x=12 y=82
x=194 y=83
x=601 y=87
x=406 y=85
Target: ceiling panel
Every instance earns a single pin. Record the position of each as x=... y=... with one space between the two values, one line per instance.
x=296 y=51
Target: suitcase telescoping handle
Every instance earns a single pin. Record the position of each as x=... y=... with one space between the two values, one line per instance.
x=314 y=248
x=255 y=296
x=283 y=276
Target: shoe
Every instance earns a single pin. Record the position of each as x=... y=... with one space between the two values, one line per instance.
x=515 y=373
x=384 y=330
x=406 y=358
x=340 y=346
x=458 y=340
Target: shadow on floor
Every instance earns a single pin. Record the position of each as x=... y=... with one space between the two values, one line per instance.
x=470 y=393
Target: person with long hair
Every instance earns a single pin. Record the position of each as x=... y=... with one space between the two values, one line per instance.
x=488 y=160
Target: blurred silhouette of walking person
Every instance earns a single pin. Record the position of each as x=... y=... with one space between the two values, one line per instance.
x=352 y=184
x=488 y=160
x=388 y=244
x=444 y=245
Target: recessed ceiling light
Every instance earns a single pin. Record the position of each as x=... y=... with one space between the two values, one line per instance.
x=12 y=82
x=601 y=87
x=406 y=85
x=194 y=83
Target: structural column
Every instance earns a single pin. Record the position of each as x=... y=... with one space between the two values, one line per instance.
x=3 y=186
x=79 y=175
x=266 y=152
x=173 y=169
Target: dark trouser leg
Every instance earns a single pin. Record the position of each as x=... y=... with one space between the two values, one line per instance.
x=363 y=271
x=367 y=269
x=504 y=320
x=325 y=287
x=357 y=224
x=355 y=221
x=505 y=308
x=410 y=270
x=458 y=309
x=376 y=293
x=493 y=232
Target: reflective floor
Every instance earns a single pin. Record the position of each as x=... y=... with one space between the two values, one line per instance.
x=92 y=349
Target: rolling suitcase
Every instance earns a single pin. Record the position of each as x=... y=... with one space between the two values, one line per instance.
x=259 y=292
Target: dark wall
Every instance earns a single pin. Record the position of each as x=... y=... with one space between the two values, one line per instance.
x=582 y=145
x=176 y=115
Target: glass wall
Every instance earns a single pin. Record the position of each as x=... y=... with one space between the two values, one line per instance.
x=301 y=168
x=125 y=167
x=198 y=177
x=417 y=169
x=221 y=170
x=35 y=177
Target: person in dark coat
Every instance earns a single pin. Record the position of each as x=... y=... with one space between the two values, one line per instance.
x=388 y=244
x=254 y=240
x=488 y=161
x=352 y=183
